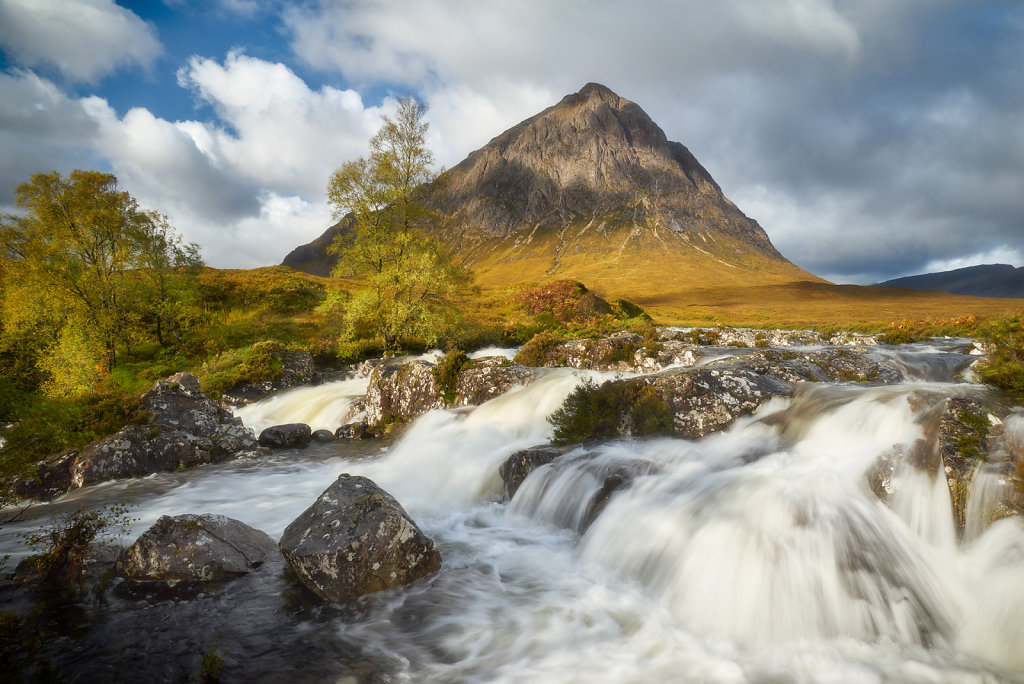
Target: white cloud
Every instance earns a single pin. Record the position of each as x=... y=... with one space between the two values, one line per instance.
x=83 y=39
x=248 y=189
x=277 y=131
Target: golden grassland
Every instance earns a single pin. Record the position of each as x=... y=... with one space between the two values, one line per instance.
x=696 y=292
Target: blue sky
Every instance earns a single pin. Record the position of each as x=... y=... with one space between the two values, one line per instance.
x=871 y=139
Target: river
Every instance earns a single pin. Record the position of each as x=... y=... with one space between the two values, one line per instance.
x=758 y=554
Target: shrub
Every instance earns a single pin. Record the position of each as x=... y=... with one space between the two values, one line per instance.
x=567 y=301
x=596 y=412
x=537 y=350
x=63 y=548
x=623 y=308
x=447 y=373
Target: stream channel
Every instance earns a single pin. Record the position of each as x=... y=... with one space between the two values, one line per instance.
x=758 y=554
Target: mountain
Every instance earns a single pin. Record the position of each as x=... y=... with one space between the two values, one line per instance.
x=989 y=280
x=592 y=189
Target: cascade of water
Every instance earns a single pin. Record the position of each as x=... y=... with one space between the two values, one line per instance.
x=448 y=459
x=988 y=488
x=324 y=406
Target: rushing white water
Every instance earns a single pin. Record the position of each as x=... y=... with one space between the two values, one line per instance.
x=325 y=406
x=755 y=555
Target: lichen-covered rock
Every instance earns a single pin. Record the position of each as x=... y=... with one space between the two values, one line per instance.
x=722 y=336
x=959 y=434
x=411 y=389
x=355 y=540
x=288 y=436
x=850 y=364
x=183 y=429
x=297 y=369
x=195 y=547
x=706 y=400
x=489 y=377
x=687 y=402
x=407 y=390
x=622 y=351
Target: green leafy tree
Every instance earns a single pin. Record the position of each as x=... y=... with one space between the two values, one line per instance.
x=81 y=271
x=409 y=281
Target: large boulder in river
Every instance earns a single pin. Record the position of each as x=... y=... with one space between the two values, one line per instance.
x=195 y=547
x=355 y=540
x=182 y=428
x=289 y=436
x=404 y=391
x=411 y=389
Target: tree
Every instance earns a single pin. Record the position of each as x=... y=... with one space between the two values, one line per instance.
x=80 y=271
x=409 y=281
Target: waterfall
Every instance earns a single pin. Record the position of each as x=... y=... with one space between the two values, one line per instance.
x=325 y=406
x=756 y=554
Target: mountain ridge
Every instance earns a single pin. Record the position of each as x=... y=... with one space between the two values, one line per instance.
x=984 y=280
x=590 y=188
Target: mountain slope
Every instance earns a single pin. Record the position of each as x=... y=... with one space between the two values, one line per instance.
x=989 y=280
x=592 y=189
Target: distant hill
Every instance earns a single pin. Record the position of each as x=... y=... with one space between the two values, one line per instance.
x=591 y=189
x=990 y=280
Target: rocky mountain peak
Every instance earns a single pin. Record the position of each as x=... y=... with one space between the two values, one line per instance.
x=588 y=177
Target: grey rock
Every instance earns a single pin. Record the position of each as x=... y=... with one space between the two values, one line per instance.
x=359 y=430
x=355 y=540
x=404 y=391
x=288 y=436
x=195 y=547
x=519 y=465
x=323 y=436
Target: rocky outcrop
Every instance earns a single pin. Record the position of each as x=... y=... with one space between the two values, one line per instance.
x=289 y=436
x=723 y=336
x=355 y=540
x=707 y=400
x=487 y=378
x=412 y=389
x=195 y=547
x=182 y=429
x=297 y=369
x=622 y=351
x=847 y=364
x=959 y=435
x=402 y=391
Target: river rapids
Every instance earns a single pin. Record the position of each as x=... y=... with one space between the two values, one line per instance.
x=758 y=554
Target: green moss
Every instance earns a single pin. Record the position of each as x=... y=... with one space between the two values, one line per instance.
x=446 y=373
x=971 y=443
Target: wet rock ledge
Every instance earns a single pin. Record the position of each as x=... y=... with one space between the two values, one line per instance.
x=182 y=428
